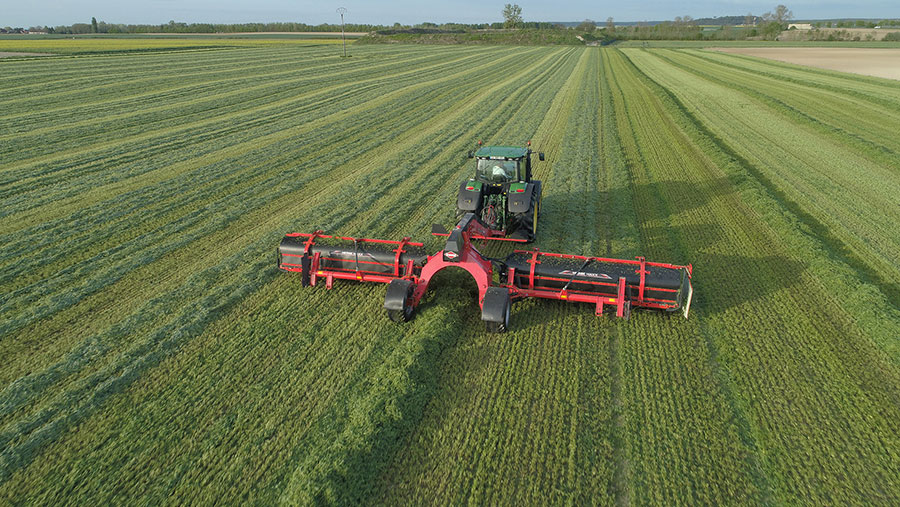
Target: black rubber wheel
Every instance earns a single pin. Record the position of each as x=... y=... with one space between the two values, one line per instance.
x=522 y=225
x=497 y=327
x=527 y=223
x=399 y=316
x=398 y=300
x=496 y=310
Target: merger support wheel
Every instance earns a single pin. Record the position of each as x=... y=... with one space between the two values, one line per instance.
x=495 y=310
x=398 y=300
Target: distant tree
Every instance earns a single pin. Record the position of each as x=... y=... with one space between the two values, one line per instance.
x=771 y=29
x=749 y=19
x=512 y=16
x=775 y=22
x=610 y=25
x=80 y=28
x=93 y=25
x=586 y=26
x=782 y=14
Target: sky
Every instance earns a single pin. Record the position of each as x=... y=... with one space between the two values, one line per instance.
x=26 y=13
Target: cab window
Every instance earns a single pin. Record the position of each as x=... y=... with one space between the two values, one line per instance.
x=497 y=171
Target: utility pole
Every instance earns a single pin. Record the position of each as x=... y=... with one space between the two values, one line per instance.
x=342 y=11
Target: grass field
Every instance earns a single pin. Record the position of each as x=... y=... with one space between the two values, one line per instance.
x=94 y=44
x=153 y=353
x=688 y=44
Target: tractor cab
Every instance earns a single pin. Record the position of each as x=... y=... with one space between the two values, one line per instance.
x=502 y=193
x=501 y=165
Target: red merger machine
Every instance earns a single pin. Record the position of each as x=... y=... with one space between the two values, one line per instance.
x=505 y=207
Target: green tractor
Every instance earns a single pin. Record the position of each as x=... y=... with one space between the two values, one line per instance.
x=503 y=194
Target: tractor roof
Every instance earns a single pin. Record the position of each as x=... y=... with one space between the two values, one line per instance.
x=501 y=152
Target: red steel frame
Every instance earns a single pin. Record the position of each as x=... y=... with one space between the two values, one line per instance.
x=481 y=270
x=487 y=235
x=330 y=275
x=599 y=300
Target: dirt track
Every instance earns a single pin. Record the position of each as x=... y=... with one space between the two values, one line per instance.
x=867 y=61
x=8 y=54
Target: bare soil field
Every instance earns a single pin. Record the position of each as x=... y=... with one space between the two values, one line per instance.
x=839 y=33
x=866 y=61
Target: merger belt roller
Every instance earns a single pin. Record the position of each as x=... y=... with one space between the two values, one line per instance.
x=369 y=260
x=646 y=284
x=404 y=265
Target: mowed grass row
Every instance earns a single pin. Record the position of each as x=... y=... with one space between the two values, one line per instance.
x=677 y=416
x=846 y=193
x=679 y=439
x=384 y=173
x=515 y=419
x=167 y=360
x=864 y=119
x=198 y=182
x=144 y=96
x=115 y=44
x=798 y=377
x=223 y=171
x=175 y=128
x=175 y=261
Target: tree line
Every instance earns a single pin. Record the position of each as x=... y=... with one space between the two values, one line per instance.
x=767 y=26
x=178 y=27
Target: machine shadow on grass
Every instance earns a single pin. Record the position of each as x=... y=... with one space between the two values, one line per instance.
x=682 y=195
x=575 y=223
x=721 y=281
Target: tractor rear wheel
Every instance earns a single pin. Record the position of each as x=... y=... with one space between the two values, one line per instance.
x=526 y=223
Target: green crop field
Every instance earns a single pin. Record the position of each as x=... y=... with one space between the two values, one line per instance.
x=152 y=353
x=111 y=44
